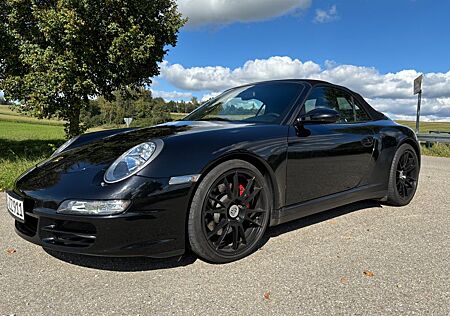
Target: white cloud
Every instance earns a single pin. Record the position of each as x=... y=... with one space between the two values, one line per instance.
x=208 y=96
x=219 y=78
x=325 y=16
x=172 y=95
x=434 y=109
x=390 y=92
x=202 y=12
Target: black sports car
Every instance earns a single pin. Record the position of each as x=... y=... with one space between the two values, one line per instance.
x=255 y=156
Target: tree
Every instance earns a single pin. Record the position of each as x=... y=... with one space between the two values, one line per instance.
x=55 y=55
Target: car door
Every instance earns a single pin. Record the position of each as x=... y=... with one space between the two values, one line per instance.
x=327 y=158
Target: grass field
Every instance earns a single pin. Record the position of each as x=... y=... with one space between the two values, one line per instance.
x=6 y=114
x=22 y=145
x=25 y=141
x=425 y=127
x=178 y=116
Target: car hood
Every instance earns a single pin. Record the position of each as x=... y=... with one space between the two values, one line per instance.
x=87 y=163
x=105 y=150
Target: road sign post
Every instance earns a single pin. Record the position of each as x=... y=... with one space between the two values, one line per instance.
x=418 y=91
x=128 y=120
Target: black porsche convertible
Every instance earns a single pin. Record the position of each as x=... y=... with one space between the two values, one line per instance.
x=256 y=156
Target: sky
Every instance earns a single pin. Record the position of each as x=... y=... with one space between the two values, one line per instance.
x=375 y=48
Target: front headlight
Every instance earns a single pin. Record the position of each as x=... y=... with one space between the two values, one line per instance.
x=133 y=160
x=78 y=207
x=64 y=146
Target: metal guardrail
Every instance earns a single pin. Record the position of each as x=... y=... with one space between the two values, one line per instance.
x=434 y=137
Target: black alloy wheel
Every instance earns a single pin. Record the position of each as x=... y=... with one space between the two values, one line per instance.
x=404 y=176
x=229 y=212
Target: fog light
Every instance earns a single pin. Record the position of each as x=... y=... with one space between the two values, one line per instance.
x=108 y=207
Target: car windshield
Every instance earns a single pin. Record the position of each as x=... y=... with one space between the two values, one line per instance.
x=264 y=102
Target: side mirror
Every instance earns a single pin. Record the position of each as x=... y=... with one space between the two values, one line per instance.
x=319 y=115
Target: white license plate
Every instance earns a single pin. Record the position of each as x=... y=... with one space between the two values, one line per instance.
x=15 y=207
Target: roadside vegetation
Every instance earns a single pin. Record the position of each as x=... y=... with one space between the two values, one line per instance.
x=139 y=105
x=25 y=140
x=9 y=115
x=436 y=150
x=426 y=127
x=24 y=144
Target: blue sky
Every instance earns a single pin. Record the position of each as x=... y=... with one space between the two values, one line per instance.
x=390 y=35
x=375 y=47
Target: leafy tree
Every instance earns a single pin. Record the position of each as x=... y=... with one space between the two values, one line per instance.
x=57 y=54
x=138 y=104
x=194 y=101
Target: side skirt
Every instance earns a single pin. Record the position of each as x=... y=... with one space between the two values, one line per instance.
x=296 y=211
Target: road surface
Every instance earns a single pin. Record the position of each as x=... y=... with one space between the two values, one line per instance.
x=363 y=259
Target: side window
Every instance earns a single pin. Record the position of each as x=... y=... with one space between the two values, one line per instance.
x=345 y=107
x=336 y=99
x=320 y=97
x=360 y=114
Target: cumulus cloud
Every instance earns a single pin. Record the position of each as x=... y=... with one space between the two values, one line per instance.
x=219 y=78
x=228 y=11
x=433 y=109
x=208 y=96
x=325 y=16
x=388 y=92
x=171 y=95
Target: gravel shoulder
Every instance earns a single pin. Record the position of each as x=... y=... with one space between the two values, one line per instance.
x=365 y=258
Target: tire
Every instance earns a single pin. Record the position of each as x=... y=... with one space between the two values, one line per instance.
x=225 y=225
x=403 y=176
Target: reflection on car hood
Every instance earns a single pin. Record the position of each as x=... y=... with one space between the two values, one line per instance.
x=102 y=152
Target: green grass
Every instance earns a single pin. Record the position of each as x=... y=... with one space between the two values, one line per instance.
x=437 y=150
x=4 y=109
x=23 y=145
x=177 y=116
x=425 y=127
x=6 y=114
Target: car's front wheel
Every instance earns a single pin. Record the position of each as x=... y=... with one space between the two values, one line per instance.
x=229 y=212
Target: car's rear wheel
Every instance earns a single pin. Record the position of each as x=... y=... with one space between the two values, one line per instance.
x=404 y=176
x=229 y=212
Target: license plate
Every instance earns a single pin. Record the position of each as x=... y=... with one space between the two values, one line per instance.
x=15 y=207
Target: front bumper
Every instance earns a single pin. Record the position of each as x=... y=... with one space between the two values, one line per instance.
x=153 y=225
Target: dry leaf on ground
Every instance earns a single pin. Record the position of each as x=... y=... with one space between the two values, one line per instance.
x=10 y=251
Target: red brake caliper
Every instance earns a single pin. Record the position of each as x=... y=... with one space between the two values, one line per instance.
x=241 y=192
x=241 y=189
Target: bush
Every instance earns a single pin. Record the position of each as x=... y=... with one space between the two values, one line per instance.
x=437 y=150
x=157 y=117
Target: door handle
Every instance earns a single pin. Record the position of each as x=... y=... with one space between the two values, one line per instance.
x=367 y=141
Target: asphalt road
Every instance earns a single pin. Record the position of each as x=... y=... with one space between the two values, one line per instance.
x=362 y=259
